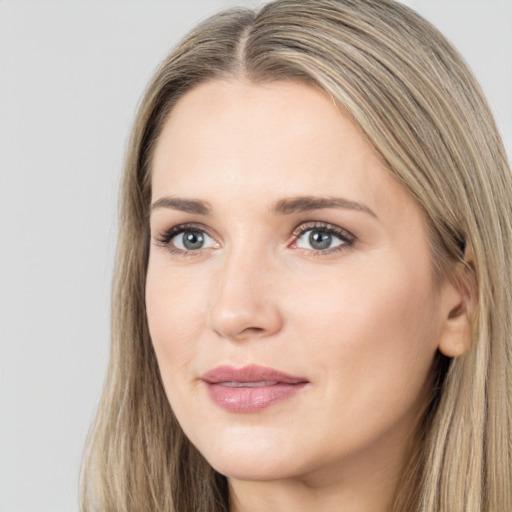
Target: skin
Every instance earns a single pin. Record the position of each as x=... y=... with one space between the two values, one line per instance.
x=361 y=321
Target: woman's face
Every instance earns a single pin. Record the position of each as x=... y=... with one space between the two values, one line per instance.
x=290 y=290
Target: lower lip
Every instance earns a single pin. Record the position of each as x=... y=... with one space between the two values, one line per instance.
x=251 y=399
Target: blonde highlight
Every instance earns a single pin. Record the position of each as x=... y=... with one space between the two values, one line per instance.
x=425 y=114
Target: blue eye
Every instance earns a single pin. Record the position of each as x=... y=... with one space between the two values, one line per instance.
x=318 y=240
x=191 y=240
x=186 y=239
x=321 y=237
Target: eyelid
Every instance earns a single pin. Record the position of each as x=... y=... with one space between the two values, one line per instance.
x=326 y=226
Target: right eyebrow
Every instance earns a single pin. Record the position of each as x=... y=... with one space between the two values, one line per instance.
x=185 y=205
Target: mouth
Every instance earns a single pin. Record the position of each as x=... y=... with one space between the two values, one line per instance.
x=251 y=388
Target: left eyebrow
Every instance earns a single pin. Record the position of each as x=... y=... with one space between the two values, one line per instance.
x=307 y=203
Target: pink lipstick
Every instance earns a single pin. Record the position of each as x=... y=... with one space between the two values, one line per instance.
x=251 y=388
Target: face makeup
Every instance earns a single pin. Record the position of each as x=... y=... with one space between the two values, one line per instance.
x=290 y=292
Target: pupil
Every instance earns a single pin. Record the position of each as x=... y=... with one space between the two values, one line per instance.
x=193 y=240
x=320 y=240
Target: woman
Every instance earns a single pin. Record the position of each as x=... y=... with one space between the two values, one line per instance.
x=312 y=296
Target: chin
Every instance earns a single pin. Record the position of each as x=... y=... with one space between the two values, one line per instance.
x=253 y=470
x=255 y=458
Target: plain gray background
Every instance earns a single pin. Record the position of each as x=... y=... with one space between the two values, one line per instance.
x=71 y=75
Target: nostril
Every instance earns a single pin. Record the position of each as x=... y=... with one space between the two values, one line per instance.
x=253 y=330
x=247 y=333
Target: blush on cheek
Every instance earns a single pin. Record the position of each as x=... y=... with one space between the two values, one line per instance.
x=175 y=328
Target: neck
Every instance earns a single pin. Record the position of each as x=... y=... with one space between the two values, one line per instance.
x=301 y=497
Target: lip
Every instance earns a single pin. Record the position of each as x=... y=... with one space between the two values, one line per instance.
x=251 y=388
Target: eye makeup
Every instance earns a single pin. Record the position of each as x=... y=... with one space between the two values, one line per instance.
x=324 y=238
x=312 y=237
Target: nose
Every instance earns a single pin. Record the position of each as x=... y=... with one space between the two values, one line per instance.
x=245 y=300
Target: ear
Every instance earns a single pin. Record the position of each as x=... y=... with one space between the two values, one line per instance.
x=458 y=298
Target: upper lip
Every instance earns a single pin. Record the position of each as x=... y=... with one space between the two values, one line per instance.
x=250 y=373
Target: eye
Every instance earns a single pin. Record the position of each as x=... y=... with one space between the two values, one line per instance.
x=186 y=239
x=322 y=237
x=191 y=240
x=318 y=240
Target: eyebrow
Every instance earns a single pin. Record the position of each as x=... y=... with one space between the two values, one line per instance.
x=185 y=205
x=308 y=203
x=281 y=207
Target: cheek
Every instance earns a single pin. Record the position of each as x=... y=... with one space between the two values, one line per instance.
x=364 y=303
x=175 y=312
x=370 y=340
x=374 y=333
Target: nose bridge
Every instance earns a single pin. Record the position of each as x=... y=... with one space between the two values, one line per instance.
x=243 y=303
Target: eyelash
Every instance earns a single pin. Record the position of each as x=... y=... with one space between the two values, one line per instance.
x=165 y=238
x=347 y=238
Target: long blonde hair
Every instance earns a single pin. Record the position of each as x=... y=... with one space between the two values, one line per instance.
x=421 y=108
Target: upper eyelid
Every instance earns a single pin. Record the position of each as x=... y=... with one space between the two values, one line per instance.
x=185 y=225
x=327 y=226
x=192 y=226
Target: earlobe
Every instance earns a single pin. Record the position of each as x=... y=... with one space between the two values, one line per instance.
x=458 y=297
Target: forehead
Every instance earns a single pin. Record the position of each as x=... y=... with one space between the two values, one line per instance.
x=266 y=140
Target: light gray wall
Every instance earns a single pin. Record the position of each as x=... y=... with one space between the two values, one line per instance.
x=71 y=74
